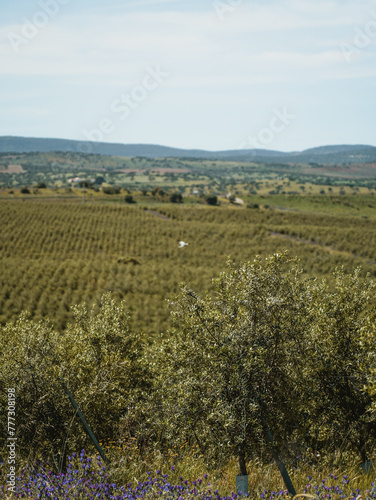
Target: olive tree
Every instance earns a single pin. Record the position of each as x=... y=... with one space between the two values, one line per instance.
x=343 y=339
x=97 y=357
x=270 y=360
x=231 y=374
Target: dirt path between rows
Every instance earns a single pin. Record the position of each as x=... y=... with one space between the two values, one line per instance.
x=157 y=214
x=323 y=247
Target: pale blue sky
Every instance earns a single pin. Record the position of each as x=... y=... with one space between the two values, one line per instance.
x=212 y=74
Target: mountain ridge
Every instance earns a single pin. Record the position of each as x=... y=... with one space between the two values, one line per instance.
x=330 y=154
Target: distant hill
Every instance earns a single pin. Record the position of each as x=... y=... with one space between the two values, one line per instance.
x=326 y=155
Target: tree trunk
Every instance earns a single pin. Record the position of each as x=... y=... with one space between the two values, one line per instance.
x=362 y=444
x=276 y=456
x=242 y=465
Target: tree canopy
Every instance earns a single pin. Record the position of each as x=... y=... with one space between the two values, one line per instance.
x=97 y=357
x=270 y=361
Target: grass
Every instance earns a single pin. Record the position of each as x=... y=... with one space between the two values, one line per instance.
x=184 y=474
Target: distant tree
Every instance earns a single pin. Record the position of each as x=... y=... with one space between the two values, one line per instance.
x=158 y=191
x=111 y=190
x=99 y=180
x=176 y=198
x=129 y=199
x=211 y=200
x=85 y=184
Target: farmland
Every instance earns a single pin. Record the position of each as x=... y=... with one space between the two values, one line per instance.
x=58 y=252
x=74 y=227
x=139 y=173
x=68 y=236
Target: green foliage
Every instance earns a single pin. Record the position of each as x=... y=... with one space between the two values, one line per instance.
x=176 y=198
x=87 y=184
x=99 y=180
x=343 y=339
x=111 y=189
x=180 y=173
x=97 y=357
x=269 y=354
x=129 y=199
x=211 y=200
x=232 y=370
x=158 y=192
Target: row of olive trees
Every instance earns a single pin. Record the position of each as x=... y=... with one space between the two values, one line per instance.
x=271 y=362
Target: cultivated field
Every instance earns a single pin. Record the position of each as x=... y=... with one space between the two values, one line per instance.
x=56 y=253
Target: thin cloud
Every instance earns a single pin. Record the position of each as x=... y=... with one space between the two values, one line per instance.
x=146 y=3
x=261 y=52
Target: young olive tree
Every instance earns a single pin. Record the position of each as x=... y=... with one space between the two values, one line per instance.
x=343 y=339
x=97 y=357
x=233 y=373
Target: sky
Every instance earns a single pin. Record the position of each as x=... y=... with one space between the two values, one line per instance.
x=283 y=75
